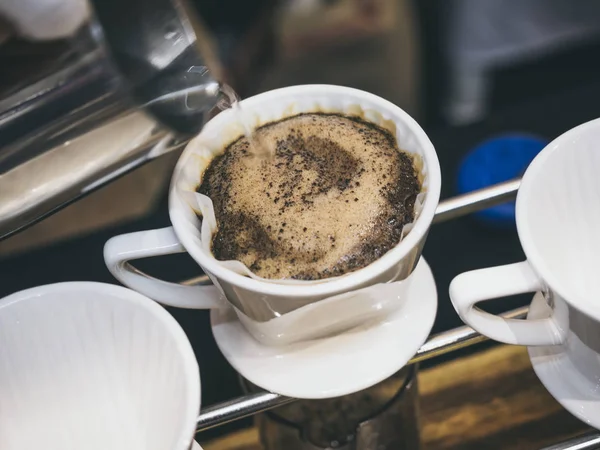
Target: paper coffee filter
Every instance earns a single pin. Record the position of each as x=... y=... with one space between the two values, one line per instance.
x=202 y=149
x=203 y=206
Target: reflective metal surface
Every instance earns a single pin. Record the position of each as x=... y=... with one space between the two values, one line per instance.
x=476 y=200
x=458 y=338
x=62 y=173
x=239 y=408
x=79 y=91
x=154 y=45
x=590 y=441
x=76 y=113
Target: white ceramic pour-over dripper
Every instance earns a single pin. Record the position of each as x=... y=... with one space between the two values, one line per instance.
x=261 y=301
x=94 y=366
x=558 y=218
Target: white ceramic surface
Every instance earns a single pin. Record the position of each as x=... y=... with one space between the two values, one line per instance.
x=265 y=302
x=559 y=369
x=94 y=366
x=558 y=218
x=337 y=365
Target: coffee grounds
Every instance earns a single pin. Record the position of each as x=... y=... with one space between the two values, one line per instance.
x=334 y=197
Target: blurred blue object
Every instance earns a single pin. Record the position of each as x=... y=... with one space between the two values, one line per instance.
x=498 y=159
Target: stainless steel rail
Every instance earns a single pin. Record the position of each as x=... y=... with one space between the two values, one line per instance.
x=238 y=408
x=462 y=205
x=458 y=338
x=589 y=441
x=437 y=345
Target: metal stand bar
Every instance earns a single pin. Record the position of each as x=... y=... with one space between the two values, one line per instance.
x=239 y=408
x=462 y=205
x=590 y=441
x=458 y=338
x=437 y=345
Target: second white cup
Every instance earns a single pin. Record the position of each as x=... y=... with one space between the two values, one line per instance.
x=558 y=221
x=94 y=366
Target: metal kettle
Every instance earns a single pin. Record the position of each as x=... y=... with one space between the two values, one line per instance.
x=135 y=80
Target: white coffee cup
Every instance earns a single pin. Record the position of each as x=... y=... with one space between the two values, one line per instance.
x=558 y=221
x=94 y=366
x=277 y=313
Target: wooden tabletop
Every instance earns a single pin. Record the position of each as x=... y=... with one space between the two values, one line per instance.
x=490 y=400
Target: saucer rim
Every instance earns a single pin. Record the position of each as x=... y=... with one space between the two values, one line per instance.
x=426 y=310
x=549 y=376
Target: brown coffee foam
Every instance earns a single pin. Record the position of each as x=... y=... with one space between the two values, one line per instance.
x=332 y=200
x=233 y=131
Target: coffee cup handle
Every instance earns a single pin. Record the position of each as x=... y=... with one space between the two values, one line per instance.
x=119 y=250
x=469 y=288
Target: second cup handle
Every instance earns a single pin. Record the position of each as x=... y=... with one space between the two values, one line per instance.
x=119 y=250
x=469 y=288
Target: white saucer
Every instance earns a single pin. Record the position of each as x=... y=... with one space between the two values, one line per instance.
x=336 y=365
x=574 y=391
